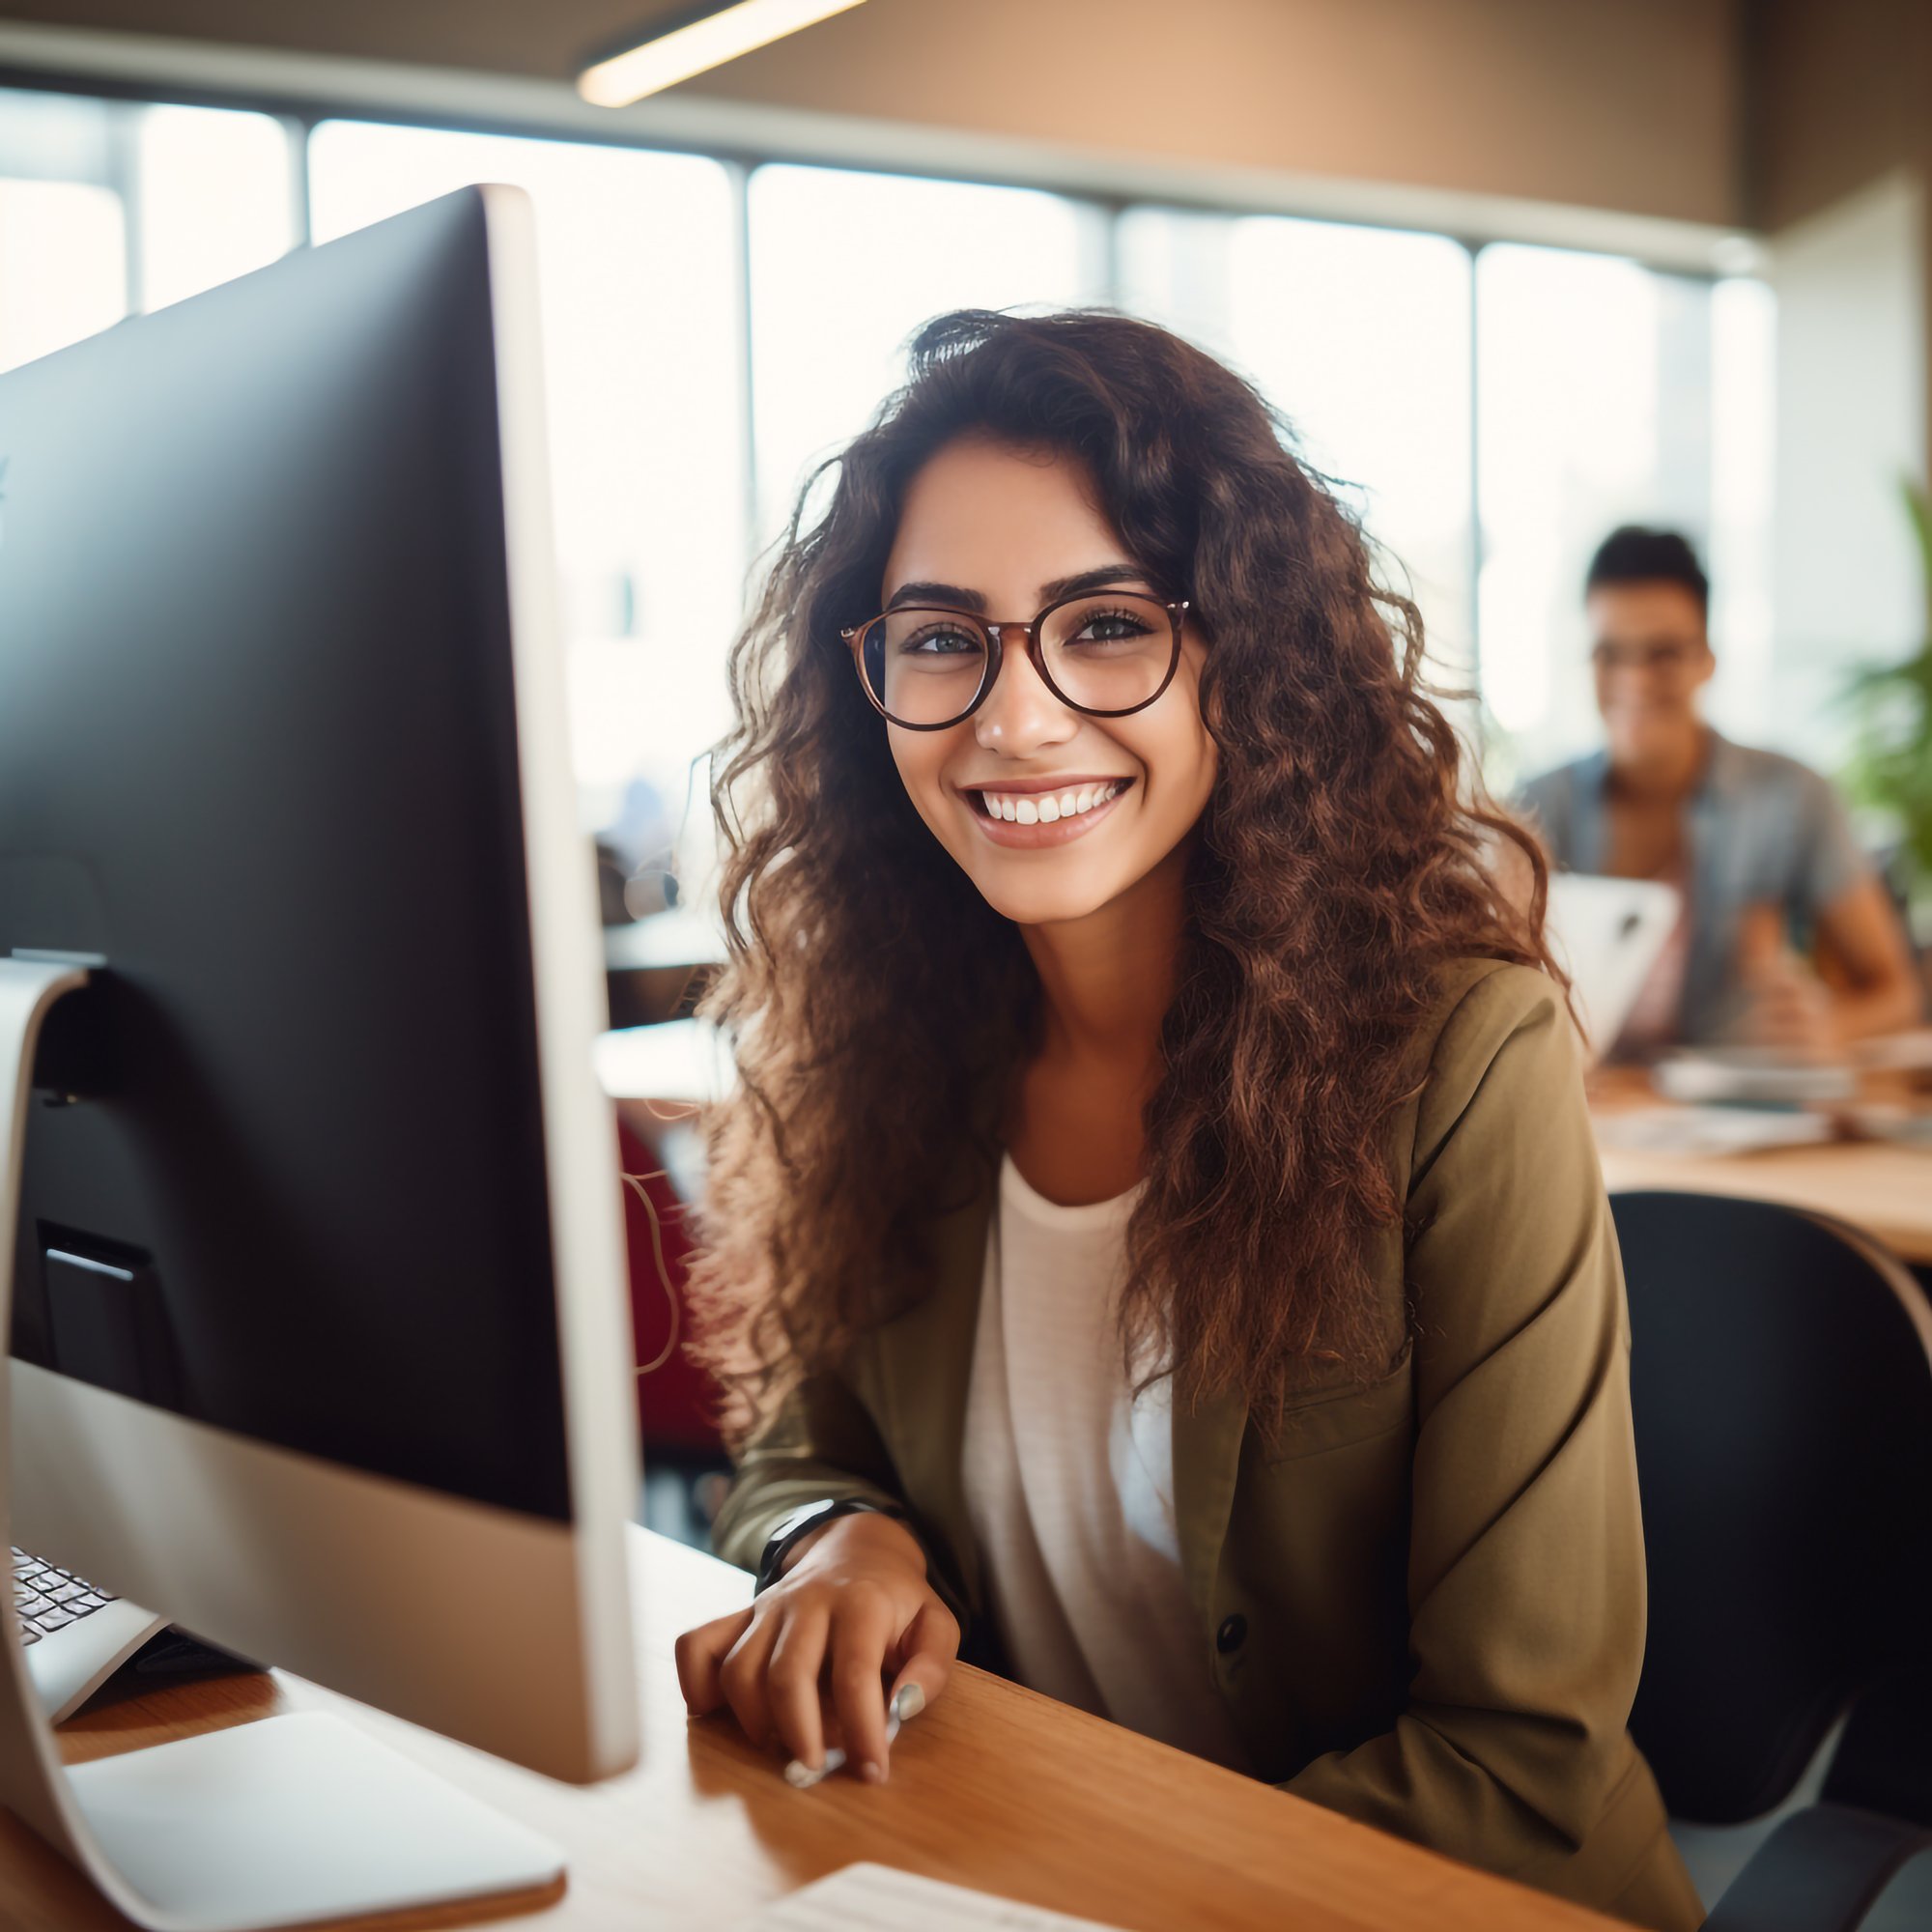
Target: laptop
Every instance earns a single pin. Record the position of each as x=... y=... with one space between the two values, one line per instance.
x=1607 y=934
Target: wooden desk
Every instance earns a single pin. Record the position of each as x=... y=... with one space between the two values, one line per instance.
x=993 y=1787
x=1881 y=1186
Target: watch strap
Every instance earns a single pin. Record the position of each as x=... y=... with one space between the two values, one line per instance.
x=800 y=1522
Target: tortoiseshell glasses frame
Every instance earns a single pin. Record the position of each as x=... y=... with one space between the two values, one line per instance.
x=858 y=636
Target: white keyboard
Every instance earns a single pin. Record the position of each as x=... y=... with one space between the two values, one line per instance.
x=76 y=1637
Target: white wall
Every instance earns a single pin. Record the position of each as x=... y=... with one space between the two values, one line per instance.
x=1851 y=421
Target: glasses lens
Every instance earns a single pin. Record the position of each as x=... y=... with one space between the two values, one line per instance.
x=1110 y=651
x=924 y=666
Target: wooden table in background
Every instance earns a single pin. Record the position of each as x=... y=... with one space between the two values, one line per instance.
x=1882 y=1186
x=993 y=1787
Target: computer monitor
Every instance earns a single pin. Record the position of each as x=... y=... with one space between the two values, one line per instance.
x=320 y=1343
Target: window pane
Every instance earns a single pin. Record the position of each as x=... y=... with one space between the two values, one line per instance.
x=1360 y=336
x=62 y=265
x=216 y=199
x=1593 y=393
x=1173 y=268
x=1743 y=412
x=844 y=267
x=57 y=137
x=641 y=326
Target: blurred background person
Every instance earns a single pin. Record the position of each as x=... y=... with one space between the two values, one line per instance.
x=1787 y=937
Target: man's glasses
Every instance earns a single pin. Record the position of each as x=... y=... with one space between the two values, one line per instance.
x=1671 y=656
x=1107 y=653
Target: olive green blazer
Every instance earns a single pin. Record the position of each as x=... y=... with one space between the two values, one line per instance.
x=1430 y=1596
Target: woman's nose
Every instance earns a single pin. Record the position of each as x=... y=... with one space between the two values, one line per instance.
x=1020 y=713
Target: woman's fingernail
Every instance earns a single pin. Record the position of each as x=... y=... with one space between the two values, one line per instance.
x=871 y=1772
x=801 y=1777
x=909 y=1703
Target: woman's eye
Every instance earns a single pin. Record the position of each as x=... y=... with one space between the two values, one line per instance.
x=1110 y=627
x=935 y=643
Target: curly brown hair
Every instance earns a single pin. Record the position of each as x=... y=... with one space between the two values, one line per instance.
x=880 y=1010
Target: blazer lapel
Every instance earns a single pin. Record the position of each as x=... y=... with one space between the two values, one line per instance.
x=926 y=1364
x=1206 y=1461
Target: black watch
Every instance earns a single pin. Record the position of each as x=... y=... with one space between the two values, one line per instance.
x=807 y=1517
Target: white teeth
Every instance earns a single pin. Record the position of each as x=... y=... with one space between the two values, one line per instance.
x=1048 y=807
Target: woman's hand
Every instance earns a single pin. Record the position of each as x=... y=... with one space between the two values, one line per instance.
x=852 y=1608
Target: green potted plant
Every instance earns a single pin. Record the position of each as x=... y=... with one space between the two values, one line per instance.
x=1890 y=770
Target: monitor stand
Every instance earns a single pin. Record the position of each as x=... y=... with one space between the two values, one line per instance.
x=279 y=1822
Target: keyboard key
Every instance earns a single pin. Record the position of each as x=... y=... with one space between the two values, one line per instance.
x=48 y=1597
x=30 y=1637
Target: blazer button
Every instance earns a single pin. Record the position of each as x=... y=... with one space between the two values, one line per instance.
x=1231 y=1635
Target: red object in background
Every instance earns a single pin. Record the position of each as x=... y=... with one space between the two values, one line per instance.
x=677 y=1401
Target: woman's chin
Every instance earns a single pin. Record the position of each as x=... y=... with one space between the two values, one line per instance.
x=1041 y=901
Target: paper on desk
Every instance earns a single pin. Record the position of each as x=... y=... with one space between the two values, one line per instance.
x=1709 y=1130
x=880 y=1899
x=1732 y=1074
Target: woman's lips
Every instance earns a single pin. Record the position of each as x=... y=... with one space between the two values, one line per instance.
x=1062 y=831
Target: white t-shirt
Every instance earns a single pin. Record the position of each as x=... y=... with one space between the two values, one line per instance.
x=1069 y=1483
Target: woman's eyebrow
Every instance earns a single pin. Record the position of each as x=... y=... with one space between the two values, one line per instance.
x=1092 y=580
x=948 y=594
x=958 y=598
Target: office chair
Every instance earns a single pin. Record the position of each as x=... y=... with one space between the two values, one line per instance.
x=677 y=1401
x=1781 y=1377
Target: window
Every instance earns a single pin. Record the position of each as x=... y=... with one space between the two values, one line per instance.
x=216 y=198
x=1744 y=462
x=62 y=265
x=63 y=227
x=844 y=267
x=711 y=334
x=640 y=324
x=107 y=206
x=1360 y=336
x=1594 y=409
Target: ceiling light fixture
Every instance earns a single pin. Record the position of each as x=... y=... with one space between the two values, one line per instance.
x=689 y=44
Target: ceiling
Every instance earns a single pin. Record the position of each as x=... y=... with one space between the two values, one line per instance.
x=553 y=38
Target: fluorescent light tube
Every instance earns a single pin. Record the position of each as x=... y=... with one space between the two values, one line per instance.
x=707 y=43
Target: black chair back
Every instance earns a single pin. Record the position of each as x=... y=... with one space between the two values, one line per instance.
x=1781 y=1377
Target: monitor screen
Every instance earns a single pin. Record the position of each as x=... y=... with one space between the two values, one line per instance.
x=258 y=751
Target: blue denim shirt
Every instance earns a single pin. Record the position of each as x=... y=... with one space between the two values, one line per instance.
x=1763 y=828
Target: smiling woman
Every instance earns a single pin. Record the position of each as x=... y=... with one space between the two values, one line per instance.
x=1157 y=1231
x=1002 y=727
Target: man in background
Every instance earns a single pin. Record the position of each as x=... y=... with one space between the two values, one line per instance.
x=1757 y=845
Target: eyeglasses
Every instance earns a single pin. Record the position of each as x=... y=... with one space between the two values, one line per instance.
x=1106 y=653
x=1668 y=655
